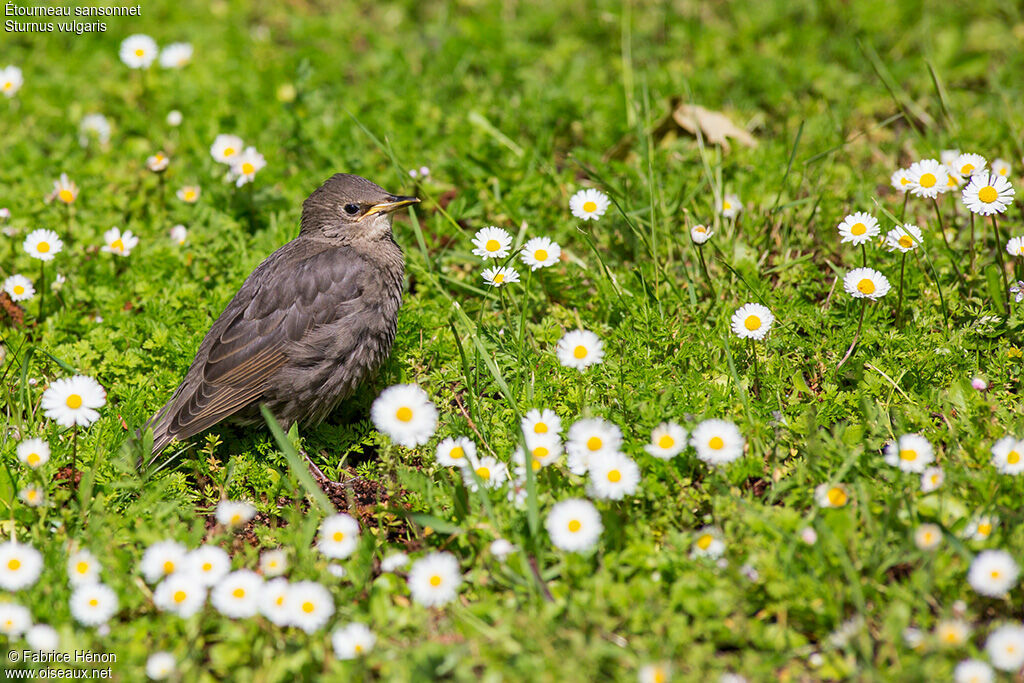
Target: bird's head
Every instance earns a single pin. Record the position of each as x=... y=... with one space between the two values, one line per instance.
x=349 y=207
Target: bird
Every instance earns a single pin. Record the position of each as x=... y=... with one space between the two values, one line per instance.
x=307 y=326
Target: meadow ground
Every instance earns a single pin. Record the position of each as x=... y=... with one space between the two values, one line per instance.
x=810 y=557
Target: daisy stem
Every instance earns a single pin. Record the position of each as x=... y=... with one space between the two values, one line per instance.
x=899 y=300
x=856 y=337
x=949 y=248
x=757 y=368
x=707 y=276
x=864 y=254
x=42 y=288
x=1002 y=266
x=522 y=319
x=74 y=453
x=972 y=241
x=67 y=221
x=903 y=211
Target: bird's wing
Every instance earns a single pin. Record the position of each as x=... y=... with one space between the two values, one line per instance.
x=279 y=303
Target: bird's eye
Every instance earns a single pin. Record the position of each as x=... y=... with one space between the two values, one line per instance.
x=351 y=209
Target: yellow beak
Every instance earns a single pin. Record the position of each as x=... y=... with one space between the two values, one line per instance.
x=393 y=204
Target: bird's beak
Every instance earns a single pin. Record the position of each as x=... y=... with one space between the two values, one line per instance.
x=393 y=204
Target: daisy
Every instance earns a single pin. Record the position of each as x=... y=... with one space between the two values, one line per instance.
x=981 y=528
x=1018 y=295
x=310 y=605
x=931 y=479
x=394 y=562
x=235 y=512
x=19 y=288
x=352 y=640
x=42 y=638
x=730 y=206
x=708 y=543
x=116 y=242
x=160 y=665
x=65 y=190
x=455 y=452
x=858 y=228
x=900 y=180
x=928 y=178
x=236 y=596
x=1015 y=246
x=613 y=476
x=246 y=165
x=14 y=620
x=404 y=412
x=176 y=55
x=752 y=321
x=865 y=283
x=34 y=452
x=162 y=559
x=1007 y=455
x=491 y=243
x=831 y=495
x=180 y=594
x=966 y=165
x=11 y=80
x=179 y=233
x=434 y=580
x=1001 y=167
x=588 y=437
x=718 y=442
x=189 y=194
x=490 y=472
x=667 y=441
x=988 y=193
x=654 y=673
x=540 y=252
x=903 y=238
x=544 y=449
x=20 y=565
x=174 y=118
x=273 y=562
x=83 y=568
x=911 y=453
x=43 y=244
x=948 y=157
x=700 y=234
x=93 y=604
x=501 y=548
x=32 y=495
x=588 y=205
x=973 y=671
x=157 y=162
x=574 y=525
x=579 y=349
x=338 y=537
x=226 y=148
x=1005 y=647
x=273 y=602
x=207 y=565
x=540 y=422
x=500 y=275
x=138 y=51
x=952 y=632
x=73 y=401
x=993 y=573
x=928 y=536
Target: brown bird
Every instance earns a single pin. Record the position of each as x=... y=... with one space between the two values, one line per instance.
x=308 y=325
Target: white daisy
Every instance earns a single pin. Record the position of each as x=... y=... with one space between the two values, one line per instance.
x=993 y=573
x=455 y=452
x=574 y=525
x=589 y=436
x=34 y=452
x=708 y=543
x=928 y=536
x=667 y=441
x=116 y=242
x=138 y=51
x=246 y=165
x=588 y=205
x=654 y=673
x=273 y=562
x=83 y=567
x=613 y=476
x=19 y=288
x=11 y=80
x=179 y=233
x=966 y=165
x=540 y=252
x=541 y=422
x=488 y=470
x=162 y=559
x=235 y=513
x=544 y=450
x=928 y=178
x=42 y=638
x=700 y=234
x=352 y=640
x=973 y=671
x=931 y=479
x=1015 y=246
x=865 y=283
x=174 y=118
x=1005 y=647
x=20 y=565
x=176 y=55
x=434 y=580
x=157 y=163
x=730 y=206
x=236 y=596
x=273 y=602
x=501 y=548
x=338 y=537
x=579 y=349
x=1008 y=455
x=988 y=193
x=182 y=593
x=93 y=604
x=952 y=632
x=32 y=495
x=189 y=194
x=858 y=228
x=900 y=180
x=717 y=442
x=160 y=666
x=405 y=413
x=43 y=244
x=911 y=453
x=1001 y=167
x=752 y=321
x=208 y=564
x=831 y=495
x=500 y=275
x=74 y=401
x=310 y=605
x=394 y=562
x=491 y=243
x=14 y=620
x=226 y=148
x=65 y=190
x=981 y=528
x=903 y=238
x=948 y=157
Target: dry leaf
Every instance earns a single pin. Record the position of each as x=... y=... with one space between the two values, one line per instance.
x=715 y=127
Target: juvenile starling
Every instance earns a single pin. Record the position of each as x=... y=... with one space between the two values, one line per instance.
x=308 y=325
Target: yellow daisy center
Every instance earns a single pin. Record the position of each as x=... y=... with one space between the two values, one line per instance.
x=580 y=351
x=540 y=255
x=995 y=574
x=726 y=206
x=8 y=85
x=117 y=245
x=540 y=452
x=594 y=443
x=66 y=196
x=836 y=496
x=666 y=441
x=207 y=567
x=248 y=169
x=168 y=567
x=904 y=180
x=858 y=229
x=927 y=180
x=984 y=529
x=33 y=459
x=908 y=454
x=752 y=322
x=18 y=290
x=456 y=453
x=338 y=537
x=866 y=286
x=358 y=649
x=14 y=564
x=540 y=428
x=74 y=401
x=435 y=580
x=966 y=169
x=574 y=525
x=988 y=194
x=404 y=413
x=483 y=472
x=1013 y=457
x=279 y=601
x=926 y=538
x=190 y=195
x=308 y=607
x=238 y=593
x=179 y=596
x=492 y=245
x=93 y=602
x=659 y=676
x=236 y=518
x=906 y=242
x=43 y=247
x=614 y=476
x=82 y=567
x=716 y=442
x=704 y=542
x=139 y=52
x=1003 y=170
x=499 y=278
x=590 y=207
x=536 y=464
x=229 y=151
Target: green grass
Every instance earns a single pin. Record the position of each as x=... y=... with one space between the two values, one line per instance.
x=514 y=107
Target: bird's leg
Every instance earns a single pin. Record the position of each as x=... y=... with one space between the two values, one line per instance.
x=317 y=473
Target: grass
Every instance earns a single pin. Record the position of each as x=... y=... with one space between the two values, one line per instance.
x=514 y=107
